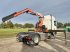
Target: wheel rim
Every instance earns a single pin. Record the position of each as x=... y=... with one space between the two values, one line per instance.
x=36 y=39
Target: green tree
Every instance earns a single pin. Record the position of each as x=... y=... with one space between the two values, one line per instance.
x=18 y=25
x=3 y=25
x=10 y=24
x=27 y=25
x=59 y=25
x=66 y=24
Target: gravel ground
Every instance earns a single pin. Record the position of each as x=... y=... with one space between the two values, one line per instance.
x=53 y=45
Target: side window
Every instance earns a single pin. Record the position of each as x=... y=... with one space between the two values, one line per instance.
x=55 y=23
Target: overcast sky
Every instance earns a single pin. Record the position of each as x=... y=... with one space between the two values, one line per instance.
x=60 y=9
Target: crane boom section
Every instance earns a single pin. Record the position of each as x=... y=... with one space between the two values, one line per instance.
x=27 y=10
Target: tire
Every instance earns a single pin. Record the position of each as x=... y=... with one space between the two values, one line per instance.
x=51 y=35
x=29 y=43
x=36 y=39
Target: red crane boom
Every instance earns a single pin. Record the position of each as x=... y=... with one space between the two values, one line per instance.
x=27 y=10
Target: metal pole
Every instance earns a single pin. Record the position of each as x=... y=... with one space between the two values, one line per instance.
x=65 y=37
x=51 y=21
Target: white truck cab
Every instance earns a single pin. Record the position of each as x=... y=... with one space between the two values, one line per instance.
x=50 y=22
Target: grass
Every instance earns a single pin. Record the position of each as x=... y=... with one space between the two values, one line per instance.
x=5 y=33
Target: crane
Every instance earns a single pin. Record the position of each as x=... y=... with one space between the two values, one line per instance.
x=26 y=10
x=29 y=11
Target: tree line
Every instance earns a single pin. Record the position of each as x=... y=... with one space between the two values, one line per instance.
x=62 y=25
x=9 y=24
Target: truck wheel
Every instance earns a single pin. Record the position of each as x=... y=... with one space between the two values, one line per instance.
x=51 y=35
x=30 y=43
x=36 y=39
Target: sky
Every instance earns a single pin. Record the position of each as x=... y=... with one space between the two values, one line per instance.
x=60 y=9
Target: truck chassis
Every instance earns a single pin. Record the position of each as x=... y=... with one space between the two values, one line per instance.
x=35 y=37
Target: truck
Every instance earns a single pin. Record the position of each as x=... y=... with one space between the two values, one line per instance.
x=44 y=27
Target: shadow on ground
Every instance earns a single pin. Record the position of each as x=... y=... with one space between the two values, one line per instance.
x=38 y=48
